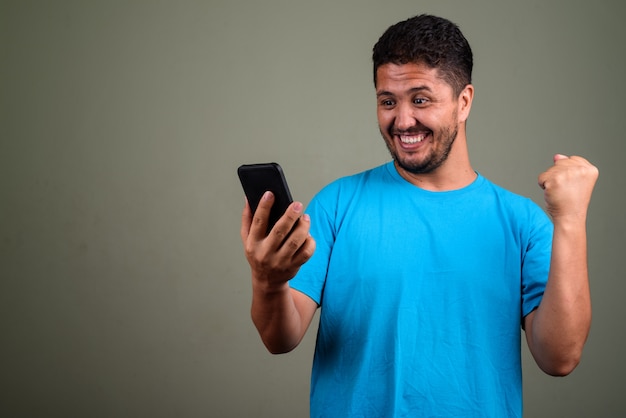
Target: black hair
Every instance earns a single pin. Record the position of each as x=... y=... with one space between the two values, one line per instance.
x=430 y=40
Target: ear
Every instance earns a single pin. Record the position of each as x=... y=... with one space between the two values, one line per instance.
x=465 y=102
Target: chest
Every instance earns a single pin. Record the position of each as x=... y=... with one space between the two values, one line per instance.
x=409 y=251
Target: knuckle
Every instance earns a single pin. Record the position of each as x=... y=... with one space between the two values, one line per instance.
x=308 y=248
x=293 y=244
x=258 y=221
x=307 y=252
x=292 y=215
x=254 y=259
x=263 y=263
x=279 y=233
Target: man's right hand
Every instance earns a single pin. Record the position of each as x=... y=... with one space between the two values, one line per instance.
x=275 y=258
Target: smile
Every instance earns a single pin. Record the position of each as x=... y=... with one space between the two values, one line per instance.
x=412 y=139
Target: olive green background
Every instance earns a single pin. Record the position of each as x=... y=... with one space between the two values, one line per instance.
x=124 y=291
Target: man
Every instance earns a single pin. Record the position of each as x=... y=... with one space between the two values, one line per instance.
x=425 y=270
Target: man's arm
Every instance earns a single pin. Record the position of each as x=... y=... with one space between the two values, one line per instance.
x=557 y=330
x=281 y=315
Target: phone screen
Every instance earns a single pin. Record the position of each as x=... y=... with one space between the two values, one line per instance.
x=256 y=179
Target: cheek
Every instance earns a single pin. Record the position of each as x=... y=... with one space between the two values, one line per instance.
x=384 y=119
x=442 y=120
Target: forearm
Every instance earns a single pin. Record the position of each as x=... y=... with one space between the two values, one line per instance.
x=276 y=317
x=280 y=315
x=560 y=325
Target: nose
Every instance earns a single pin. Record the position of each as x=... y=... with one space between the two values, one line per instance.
x=405 y=119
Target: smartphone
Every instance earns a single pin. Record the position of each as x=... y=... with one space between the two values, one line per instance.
x=256 y=179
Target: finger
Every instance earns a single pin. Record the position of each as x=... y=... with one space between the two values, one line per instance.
x=286 y=223
x=580 y=160
x=246 y=220
x=299 y=245
x=306 y=250
x=545 y=176
x=258 y=228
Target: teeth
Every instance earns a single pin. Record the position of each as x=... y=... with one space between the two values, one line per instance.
x=412 y=139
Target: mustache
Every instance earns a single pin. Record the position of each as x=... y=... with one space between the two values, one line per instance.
x=409 y=131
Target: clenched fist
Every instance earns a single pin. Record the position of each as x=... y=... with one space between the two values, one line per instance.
x=567 y=186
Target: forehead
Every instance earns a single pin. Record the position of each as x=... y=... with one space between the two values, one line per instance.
x=399 y=78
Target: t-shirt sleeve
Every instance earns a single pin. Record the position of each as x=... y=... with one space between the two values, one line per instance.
x=536 y=260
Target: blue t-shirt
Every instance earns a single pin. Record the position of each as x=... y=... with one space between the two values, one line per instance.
x=422 y=295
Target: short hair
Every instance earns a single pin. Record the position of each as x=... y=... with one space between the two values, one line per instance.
x=430 y=40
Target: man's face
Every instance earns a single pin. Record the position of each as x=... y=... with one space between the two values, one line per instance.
x=417 y=116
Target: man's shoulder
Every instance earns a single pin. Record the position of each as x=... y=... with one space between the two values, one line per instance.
x=513 y=202
x=504 y=192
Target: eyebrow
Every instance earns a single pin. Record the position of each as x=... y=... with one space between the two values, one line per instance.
x=412 y=90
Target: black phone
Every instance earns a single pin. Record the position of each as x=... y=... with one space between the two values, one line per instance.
x=256 y=179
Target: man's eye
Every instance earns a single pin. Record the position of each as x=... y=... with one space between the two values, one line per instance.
x=386 y=102
x=420 y=100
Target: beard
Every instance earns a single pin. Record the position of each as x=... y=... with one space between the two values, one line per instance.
x=440 y=150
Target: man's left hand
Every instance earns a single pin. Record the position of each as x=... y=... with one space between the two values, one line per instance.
x=568 y=185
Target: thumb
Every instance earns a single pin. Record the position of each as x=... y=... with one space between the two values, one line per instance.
x=558 y=157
